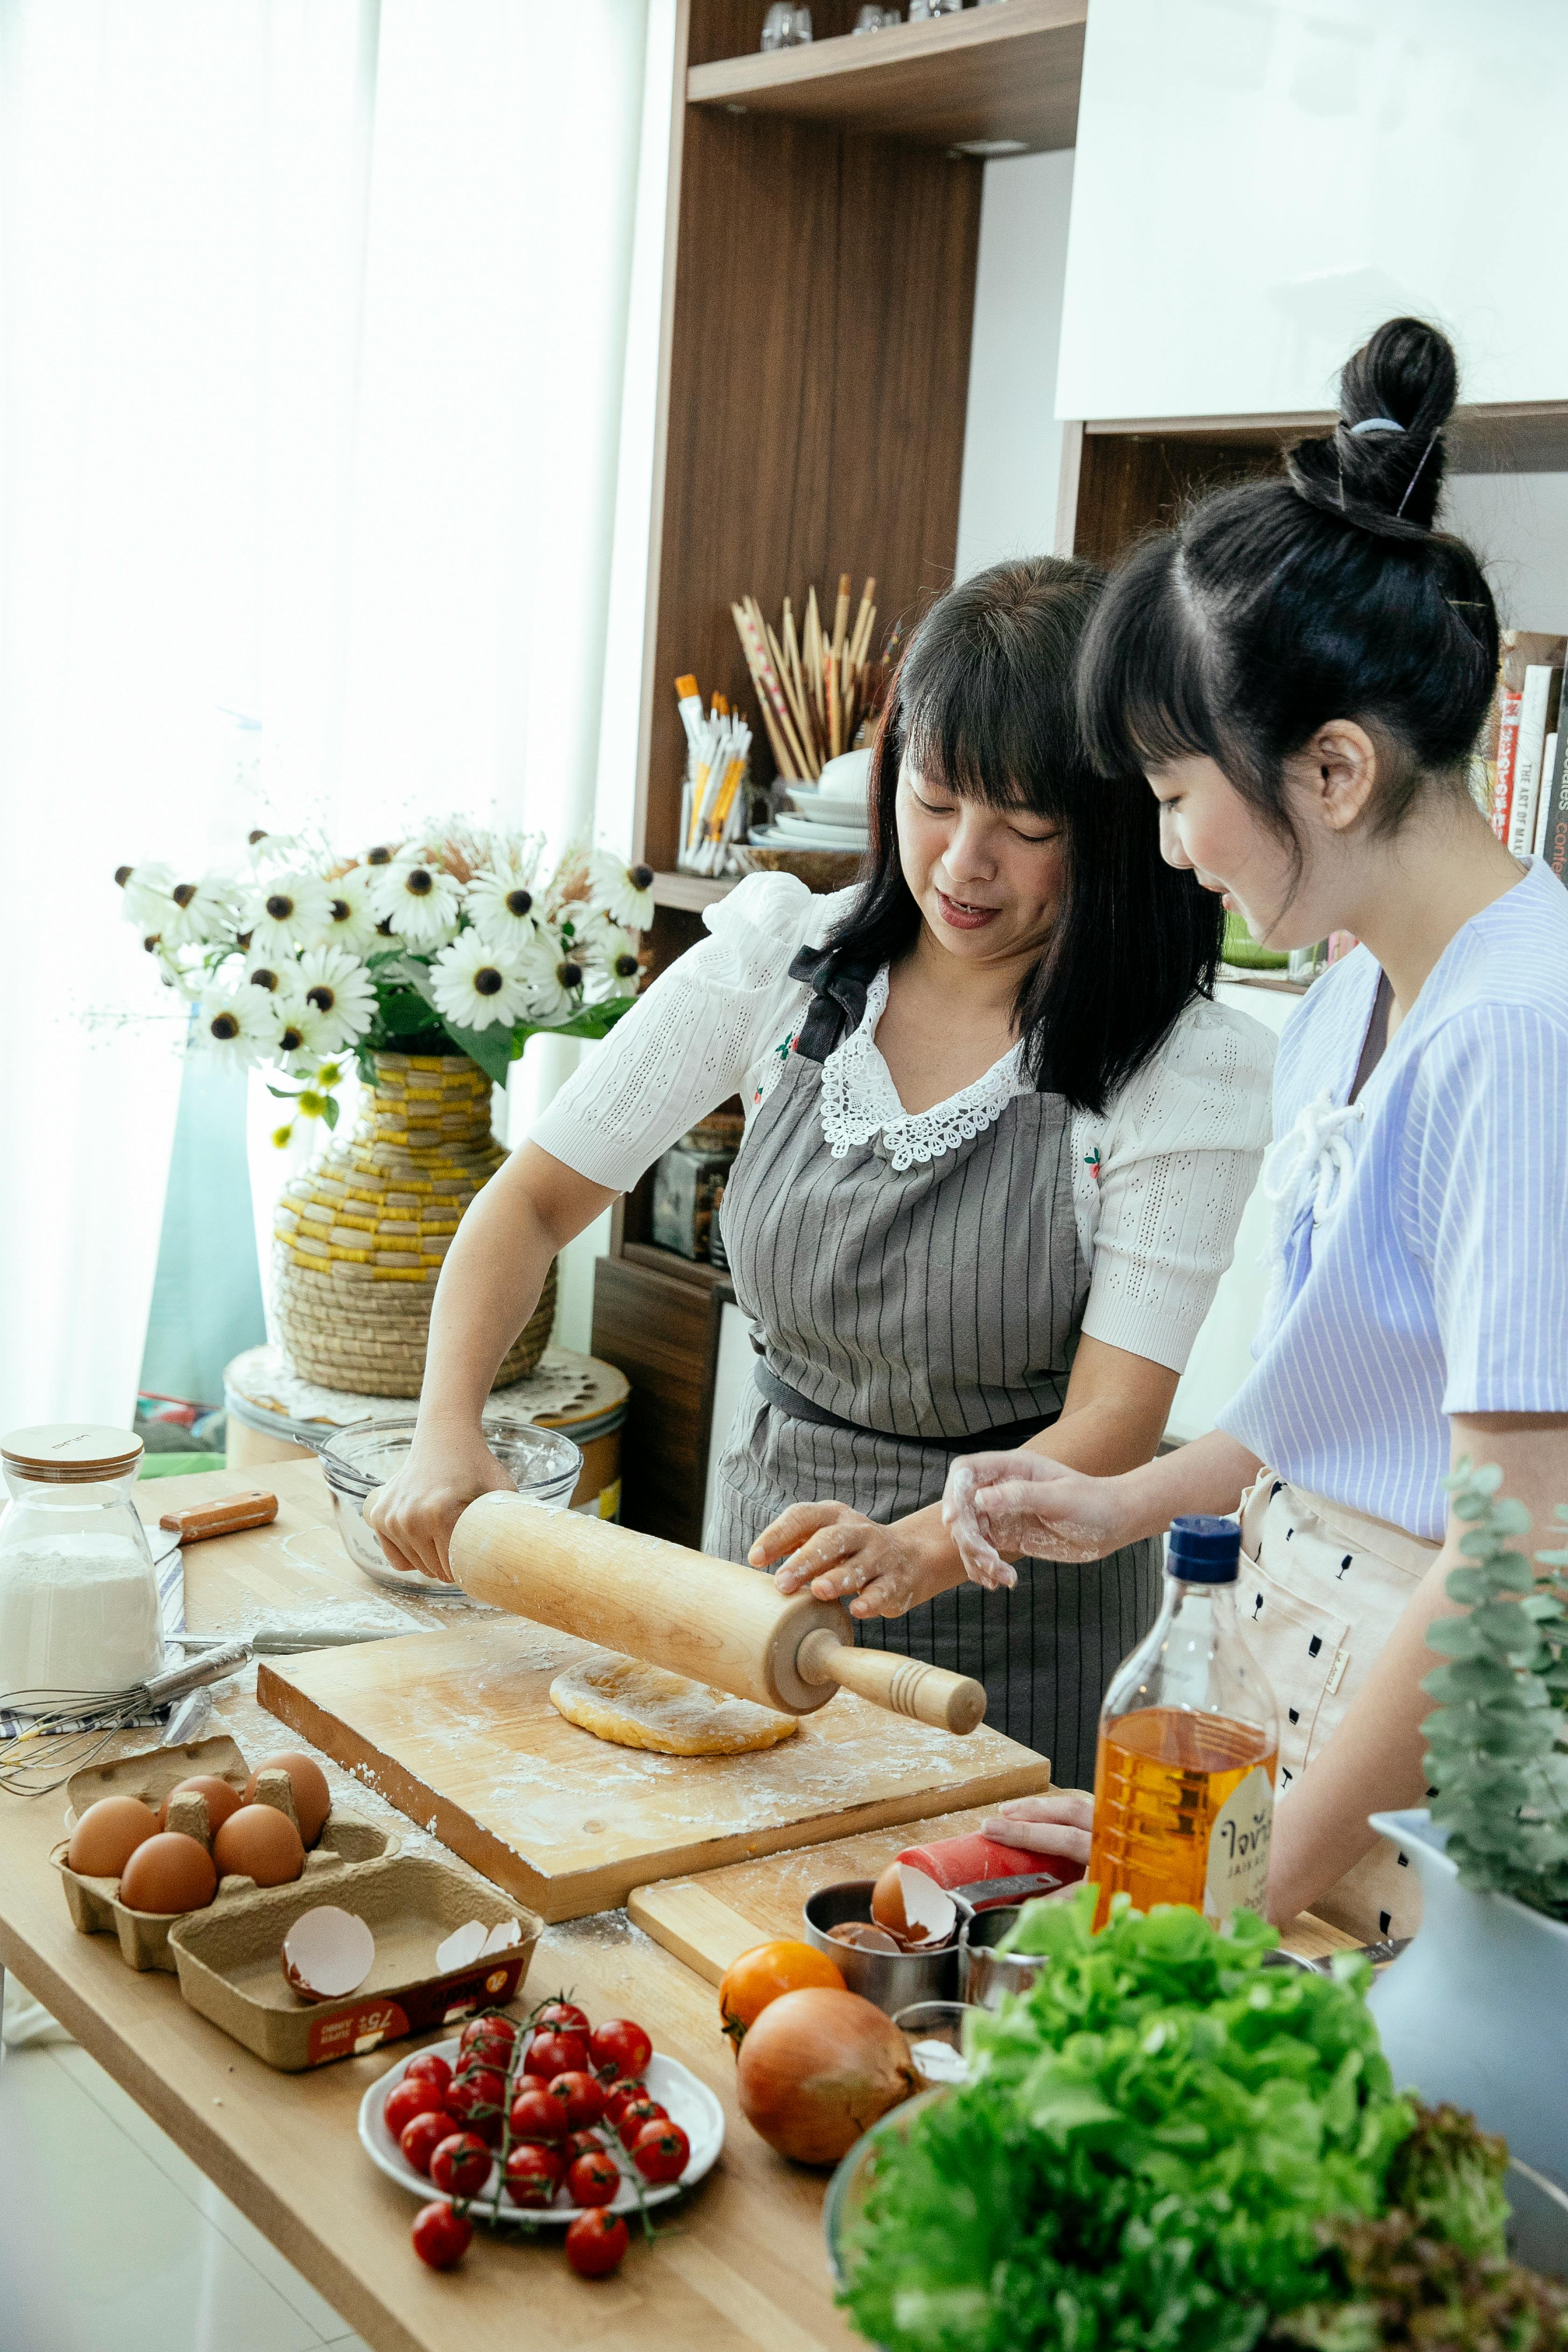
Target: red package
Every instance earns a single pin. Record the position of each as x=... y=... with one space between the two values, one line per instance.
x=988 y=1874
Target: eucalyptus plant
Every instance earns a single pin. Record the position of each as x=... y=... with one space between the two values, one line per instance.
x=1498 y=1745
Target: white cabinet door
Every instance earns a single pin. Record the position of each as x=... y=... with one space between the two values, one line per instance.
x=1259 y=182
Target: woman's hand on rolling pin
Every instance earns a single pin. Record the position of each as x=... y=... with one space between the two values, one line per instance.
x=1056 y=1823
x=997 y=1507
x=843 y=1556
x=414 y=1514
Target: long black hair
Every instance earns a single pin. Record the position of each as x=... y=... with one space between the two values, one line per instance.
x=983 y=704
x=1274 y=608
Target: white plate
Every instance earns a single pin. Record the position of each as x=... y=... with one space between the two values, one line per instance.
x=690 y=2103
x=795 y=833
x=816 y=808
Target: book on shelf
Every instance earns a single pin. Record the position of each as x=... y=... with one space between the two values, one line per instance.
x=1551 y=828
x=1524 y=712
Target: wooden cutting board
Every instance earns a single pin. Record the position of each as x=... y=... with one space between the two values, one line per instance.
x=455 y=1729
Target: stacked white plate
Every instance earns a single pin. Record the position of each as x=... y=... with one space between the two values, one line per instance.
x=826 y=815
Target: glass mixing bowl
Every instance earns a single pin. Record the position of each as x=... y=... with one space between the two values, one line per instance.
x=540 y=1462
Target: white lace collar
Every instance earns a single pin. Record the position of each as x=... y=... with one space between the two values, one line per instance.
x=861 y=1102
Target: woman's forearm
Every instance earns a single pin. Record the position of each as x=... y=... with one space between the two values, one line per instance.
x=1208 y=1476
x=493 y=1276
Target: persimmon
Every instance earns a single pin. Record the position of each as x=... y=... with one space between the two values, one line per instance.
x=763 y=1973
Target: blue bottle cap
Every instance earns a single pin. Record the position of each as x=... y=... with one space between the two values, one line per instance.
x=1204 y=1550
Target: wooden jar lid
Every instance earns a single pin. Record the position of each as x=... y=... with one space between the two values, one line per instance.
x=71 y=1452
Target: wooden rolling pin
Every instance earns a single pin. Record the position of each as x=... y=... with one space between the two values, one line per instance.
x=707 y=1619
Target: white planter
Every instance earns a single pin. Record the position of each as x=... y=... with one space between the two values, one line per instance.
x=1477 y=2010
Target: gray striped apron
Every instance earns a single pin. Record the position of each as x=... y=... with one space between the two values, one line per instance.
x=925 y=1308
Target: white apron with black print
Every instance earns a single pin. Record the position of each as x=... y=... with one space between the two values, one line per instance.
x=1325 y=1590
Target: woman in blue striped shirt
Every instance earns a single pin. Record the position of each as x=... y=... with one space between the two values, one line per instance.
x=1301 y=669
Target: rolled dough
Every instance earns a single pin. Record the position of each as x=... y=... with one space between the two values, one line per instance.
x=638 y=1706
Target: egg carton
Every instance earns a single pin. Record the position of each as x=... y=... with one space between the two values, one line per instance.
x=229 y=1960
x=346 y=1844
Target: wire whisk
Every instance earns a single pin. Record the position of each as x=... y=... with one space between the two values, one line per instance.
x=67 y=1730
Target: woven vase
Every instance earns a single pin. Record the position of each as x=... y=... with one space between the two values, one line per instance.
x=361 y=1234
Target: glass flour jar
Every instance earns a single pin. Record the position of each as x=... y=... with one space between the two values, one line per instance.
x=78 y=1592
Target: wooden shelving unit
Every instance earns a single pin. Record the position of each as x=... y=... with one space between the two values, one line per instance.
x=1006 y=75
x=689 y=892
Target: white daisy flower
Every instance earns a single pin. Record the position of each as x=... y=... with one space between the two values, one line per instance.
x=238 y=1029
x=477 y=984
x=624 y=892
x=611 y=953
x=550 y=978
x=304 y=1039
x=148 y=903
x=337 y=989
x=284 y=913
x=354 y=919
x=280 y=980
x=502 y=908
x=203 y=912
x=422 y=903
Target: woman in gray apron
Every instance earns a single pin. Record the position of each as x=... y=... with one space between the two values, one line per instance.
x=998 y=1140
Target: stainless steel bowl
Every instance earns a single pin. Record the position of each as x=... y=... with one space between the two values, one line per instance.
x=893 y=1980
x=986 y=1976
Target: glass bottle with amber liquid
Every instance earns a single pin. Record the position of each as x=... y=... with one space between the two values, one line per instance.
x=1189 y=1743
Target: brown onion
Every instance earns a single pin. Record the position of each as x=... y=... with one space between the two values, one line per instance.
x=817 y=2068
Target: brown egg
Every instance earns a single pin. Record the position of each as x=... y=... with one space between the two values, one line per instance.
x=168 y=1872
x=312 y=1798
x=108 y=1834
x=221 y=1798
x=260 y=1842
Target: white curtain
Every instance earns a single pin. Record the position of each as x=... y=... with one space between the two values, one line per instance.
x=313 y=317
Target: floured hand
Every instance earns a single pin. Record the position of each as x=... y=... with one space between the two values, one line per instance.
x=1057 y=1822
x=844 y=1555
x=999 y=1506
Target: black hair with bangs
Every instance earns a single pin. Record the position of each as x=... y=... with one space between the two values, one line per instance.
x=1274 y=608
x=984 y=702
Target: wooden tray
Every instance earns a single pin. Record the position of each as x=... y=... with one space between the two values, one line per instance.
x=455 y=1729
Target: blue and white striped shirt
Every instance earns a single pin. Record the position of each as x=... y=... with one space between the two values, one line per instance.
x=1423 y=1264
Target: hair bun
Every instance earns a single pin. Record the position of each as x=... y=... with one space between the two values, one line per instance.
x=1383 y=481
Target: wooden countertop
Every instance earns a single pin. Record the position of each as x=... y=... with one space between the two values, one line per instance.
x=741 y=2266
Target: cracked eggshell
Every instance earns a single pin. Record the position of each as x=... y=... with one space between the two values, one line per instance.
x=864 y=1937
x=328 y=1953
x=913 y=1907
x=463 y=1946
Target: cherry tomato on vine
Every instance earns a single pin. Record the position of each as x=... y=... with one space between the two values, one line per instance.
x=635 y=2116
x=460 y=2164
x=619 y=2096
x=498 y=2028
x=440 y=2236
x=583 y=2143
x=620 y=2047
x=549 y=2054
x=488 y=2048
x=593 y=2179
x=431 y=2066
x=582 y=2097
x=538 y=2114
x=407 y=2099
x=563 y=2017
x=595 y=2243
x=479 y=2102
x=533 y=2174
x=421 y=2139
x=661 y=2151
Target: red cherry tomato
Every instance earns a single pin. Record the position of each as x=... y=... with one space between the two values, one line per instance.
x=479 y=2102
x=596 y=2242
x=620 y=2047
x=662 y=2152
x=539 y=2115
x=407 y=2099
x=432 y=2066
x=593 y=2179
x=503 y=2029
x=533 y=2174
x=421 y=2139
x=619 y=2095
x=582 y=2097
x=563 y=2017
x=441 y=2237
x=583 y=2143
x=550 y=2054
x=487 y=2049
x=460 y=2164
x=635 y=2115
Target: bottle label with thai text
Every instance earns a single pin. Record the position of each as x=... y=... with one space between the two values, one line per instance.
x=1237 y=1877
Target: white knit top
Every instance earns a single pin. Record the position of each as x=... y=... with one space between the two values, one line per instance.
x=1160 y=1177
